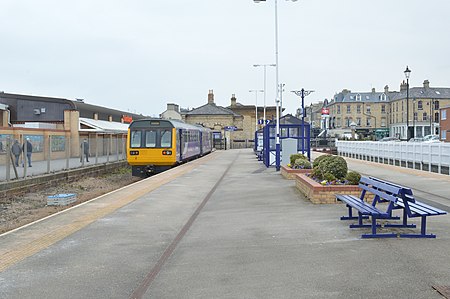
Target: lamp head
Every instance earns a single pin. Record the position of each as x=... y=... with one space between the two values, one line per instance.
x=407 y=72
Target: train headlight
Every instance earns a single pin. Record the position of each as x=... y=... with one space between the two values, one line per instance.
x=134 y=153
x=167 y=152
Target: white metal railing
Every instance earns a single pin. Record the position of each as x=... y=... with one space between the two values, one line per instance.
x=434 y=157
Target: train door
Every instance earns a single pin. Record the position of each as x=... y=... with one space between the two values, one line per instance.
x=181 y=144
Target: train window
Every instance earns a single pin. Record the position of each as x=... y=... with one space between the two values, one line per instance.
x=150 y=138
x=166 y=138
x=136 y=137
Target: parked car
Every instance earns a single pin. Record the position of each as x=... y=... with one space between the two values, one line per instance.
x=416 y=139
x=431 y=139
x=385 y=139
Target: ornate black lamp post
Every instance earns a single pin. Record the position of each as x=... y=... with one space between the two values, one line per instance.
x=409 y=134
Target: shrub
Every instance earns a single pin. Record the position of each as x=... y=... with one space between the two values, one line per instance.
x=353 y=177
x=301 y=164
x=317 y=173
x=319 y=159
x=294 y=157
x=335 y=165
x=329 y=177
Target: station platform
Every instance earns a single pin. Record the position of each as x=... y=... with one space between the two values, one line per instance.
x=224 y=226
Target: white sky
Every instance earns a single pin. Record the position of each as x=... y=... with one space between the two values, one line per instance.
x=139 y=55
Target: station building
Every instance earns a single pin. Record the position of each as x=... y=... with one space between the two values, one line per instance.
x=58 y=125
x=234 y=124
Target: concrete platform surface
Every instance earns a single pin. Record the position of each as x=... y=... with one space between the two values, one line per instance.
x=223 y=226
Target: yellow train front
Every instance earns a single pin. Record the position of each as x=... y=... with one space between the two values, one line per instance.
x=155 y=145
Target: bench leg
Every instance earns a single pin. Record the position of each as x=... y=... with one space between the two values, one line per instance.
x=360 y=221
x=350 y=215
x=404 y=224
x=423 y=229
x=374 y=231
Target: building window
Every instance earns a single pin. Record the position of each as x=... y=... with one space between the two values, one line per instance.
x=358 y=97
x=383 y=122
x=368 y=109
x=349 y=109
x=383 y=108
x=443 y=134
x=358 y=109
x=420 y=105
x=338 y=109
x=368 y=122
x=358 y=121
x=436 y=117
x=415 y=116
x=338 y=122
x=396 y=106
x=403 y=105
x=444 y=114
x=436 y=105
x=424 y=116
x=383 y=97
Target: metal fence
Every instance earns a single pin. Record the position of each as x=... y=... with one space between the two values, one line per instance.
x=433 y=157
x=55 y=153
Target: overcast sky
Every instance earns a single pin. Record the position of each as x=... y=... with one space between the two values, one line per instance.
x=139 y=55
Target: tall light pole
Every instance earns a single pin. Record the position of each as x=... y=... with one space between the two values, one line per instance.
x=256 y=106
x=408 y=131
x=303 y=93
x=265 y=71
x=277 y=99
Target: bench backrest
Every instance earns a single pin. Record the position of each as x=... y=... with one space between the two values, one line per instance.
x=382 y=190
x=406 y=193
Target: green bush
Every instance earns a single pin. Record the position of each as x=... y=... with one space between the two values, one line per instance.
x=301 y=164
x=317 y=173
x=294 y=157
x=329 y=177
x=353 y=177
x=320 y=158
x=335 y=165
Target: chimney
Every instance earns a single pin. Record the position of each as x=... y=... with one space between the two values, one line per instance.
x=403 y=86
x=426 y=84
x=386 y=89
x=373 y=90
x=173 y=107
x=210 y=97
x=233 y=100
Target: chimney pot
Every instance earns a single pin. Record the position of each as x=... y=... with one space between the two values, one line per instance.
x=210 y=97
x=426 y=84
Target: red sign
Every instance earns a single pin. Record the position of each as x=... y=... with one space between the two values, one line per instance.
x=325 y=111
x=127 y=119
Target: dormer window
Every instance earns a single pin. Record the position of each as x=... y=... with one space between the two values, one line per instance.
x=358 y=97
x=383 y=97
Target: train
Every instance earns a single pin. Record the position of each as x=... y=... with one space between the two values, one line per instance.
x=155 y=145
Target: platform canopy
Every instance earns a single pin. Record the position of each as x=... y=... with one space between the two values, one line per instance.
x=102 y=126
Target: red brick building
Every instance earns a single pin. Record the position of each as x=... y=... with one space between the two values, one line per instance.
x=444 y=124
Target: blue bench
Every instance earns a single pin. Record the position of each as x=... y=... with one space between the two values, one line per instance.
x=381 y=192
x=396 y=197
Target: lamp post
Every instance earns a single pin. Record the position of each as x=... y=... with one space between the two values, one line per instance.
x=353 y=127
x=303 y=93
x=265 y=71
x=256 y=106
x=277 y=98
x=408 y=131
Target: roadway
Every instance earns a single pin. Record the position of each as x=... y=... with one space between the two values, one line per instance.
x=223 y=226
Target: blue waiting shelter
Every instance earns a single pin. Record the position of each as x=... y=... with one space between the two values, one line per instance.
x=299 y=131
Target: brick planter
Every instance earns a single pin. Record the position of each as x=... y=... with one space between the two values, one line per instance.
x=289 y=173
x=318 y=193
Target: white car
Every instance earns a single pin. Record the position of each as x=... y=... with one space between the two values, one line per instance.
x=431 y=139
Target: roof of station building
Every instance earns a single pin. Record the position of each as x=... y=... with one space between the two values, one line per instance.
x=211 y=109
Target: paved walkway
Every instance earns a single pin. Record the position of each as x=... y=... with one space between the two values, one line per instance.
x=223 y=226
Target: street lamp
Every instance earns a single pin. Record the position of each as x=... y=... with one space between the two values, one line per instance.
x=256 y=106
x=408 y=131
x=353 y=127
x=277 y=98
x=265 y=67
x=303 y=93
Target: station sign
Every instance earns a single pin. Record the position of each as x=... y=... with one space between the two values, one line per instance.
x=325 y=111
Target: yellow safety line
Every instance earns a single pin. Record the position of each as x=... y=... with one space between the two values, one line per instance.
x=119 y=199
